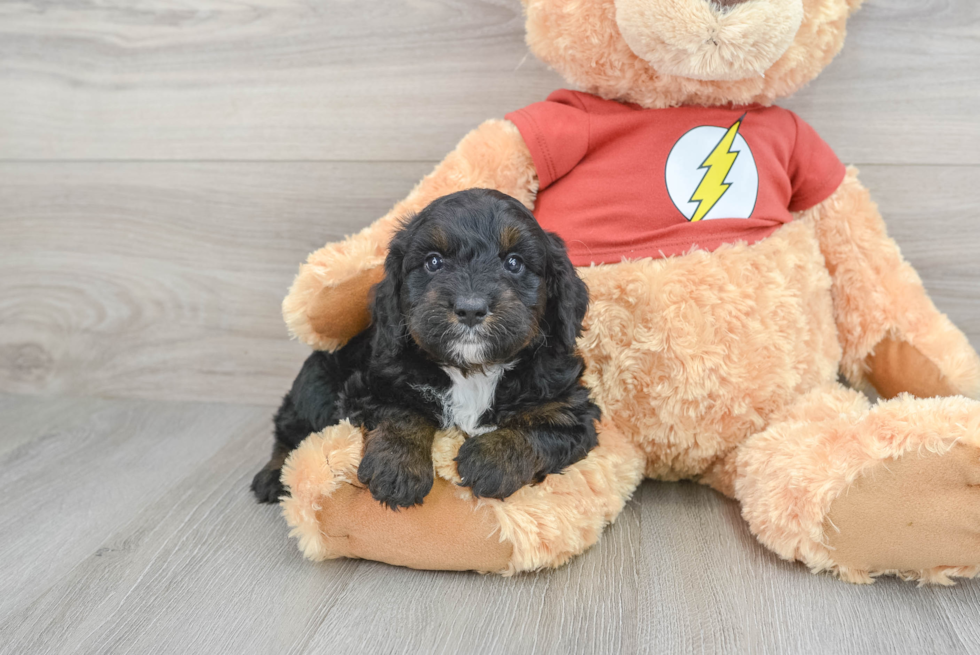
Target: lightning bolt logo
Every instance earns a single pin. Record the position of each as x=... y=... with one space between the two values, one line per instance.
x=718 y=164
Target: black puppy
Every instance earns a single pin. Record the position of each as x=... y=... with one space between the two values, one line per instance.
x=474 y=326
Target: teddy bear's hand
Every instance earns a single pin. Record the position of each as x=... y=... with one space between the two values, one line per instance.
x=892 y=335
x=538 y=526
x=328 y=302
x=341 y=311
x=445 y=533
x=335 y=516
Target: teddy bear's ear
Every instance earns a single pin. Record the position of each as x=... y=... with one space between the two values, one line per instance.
x=853 y=5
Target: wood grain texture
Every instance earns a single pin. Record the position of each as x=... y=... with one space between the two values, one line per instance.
x=259 y=79
x=404 y=80
x=164 y=280
x=151 y=546
x=586 y=607
x=203 y=569
x=719 y=591
x=164 y=168
x=933 y=213
x=72 y=471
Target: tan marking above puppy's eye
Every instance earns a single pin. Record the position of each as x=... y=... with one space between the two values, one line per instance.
x=509 y=237
x=439 y=238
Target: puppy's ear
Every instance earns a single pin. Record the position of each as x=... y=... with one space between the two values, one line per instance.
x=568 y=297
x=386 y=310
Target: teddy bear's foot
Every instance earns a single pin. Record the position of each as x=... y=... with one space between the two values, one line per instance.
x=917 y=513
x=543 y=525
x=862 y=491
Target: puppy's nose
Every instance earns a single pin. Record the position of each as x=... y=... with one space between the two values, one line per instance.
x=471 y=310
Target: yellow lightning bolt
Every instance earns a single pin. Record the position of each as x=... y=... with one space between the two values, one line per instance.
x=718 y=163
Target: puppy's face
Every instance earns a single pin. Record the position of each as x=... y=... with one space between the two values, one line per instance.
x=474 y=277
x=474 y=282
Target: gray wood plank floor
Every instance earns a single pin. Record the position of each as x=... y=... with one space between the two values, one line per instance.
x=127 y=528
x=164 y=168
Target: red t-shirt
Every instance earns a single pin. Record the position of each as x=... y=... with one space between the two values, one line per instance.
x=619 y=181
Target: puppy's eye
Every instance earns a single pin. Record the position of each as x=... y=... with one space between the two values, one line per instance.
x=433 y=262
x=514 y=264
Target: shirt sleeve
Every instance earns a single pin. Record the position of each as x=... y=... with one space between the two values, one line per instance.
x=556 y=132
x=815 y=171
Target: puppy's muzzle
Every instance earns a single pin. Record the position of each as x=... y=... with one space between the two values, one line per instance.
x=471 y=310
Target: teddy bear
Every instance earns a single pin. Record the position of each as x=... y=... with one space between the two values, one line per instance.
x=735 y=267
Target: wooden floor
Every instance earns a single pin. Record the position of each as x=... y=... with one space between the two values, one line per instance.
x=165 y=166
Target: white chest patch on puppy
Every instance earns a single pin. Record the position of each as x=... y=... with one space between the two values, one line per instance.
x=469 y=397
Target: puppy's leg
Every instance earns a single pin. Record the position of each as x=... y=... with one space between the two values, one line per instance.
x=291 y=427
x=397 y=461
x=531 y=446
x=498 y=463
x=266 y=484
x=310 y=406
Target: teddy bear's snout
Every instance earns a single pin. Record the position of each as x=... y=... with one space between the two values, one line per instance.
x=709 y=39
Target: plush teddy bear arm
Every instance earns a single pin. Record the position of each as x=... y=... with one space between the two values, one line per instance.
x=892 y=335
x=328 y=301
x=541 y=525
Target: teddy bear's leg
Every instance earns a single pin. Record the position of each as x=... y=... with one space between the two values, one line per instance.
x=539 y=526
x=328 y=302
x=892 y=335
x=860 y=490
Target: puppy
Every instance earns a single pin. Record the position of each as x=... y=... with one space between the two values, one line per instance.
x=474 y=326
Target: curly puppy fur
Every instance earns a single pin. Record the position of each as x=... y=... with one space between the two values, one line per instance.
x=475 y=326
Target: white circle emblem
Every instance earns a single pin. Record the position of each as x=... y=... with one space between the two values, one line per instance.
x=711 y=173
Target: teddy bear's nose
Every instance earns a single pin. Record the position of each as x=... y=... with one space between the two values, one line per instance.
x=725 y=4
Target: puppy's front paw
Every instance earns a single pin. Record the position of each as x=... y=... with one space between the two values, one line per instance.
x=396 y=475
x=497 y=464
x=267 y=486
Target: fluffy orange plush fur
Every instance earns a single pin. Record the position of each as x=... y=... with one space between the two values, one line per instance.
x=716 y=366
x=493 y=156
